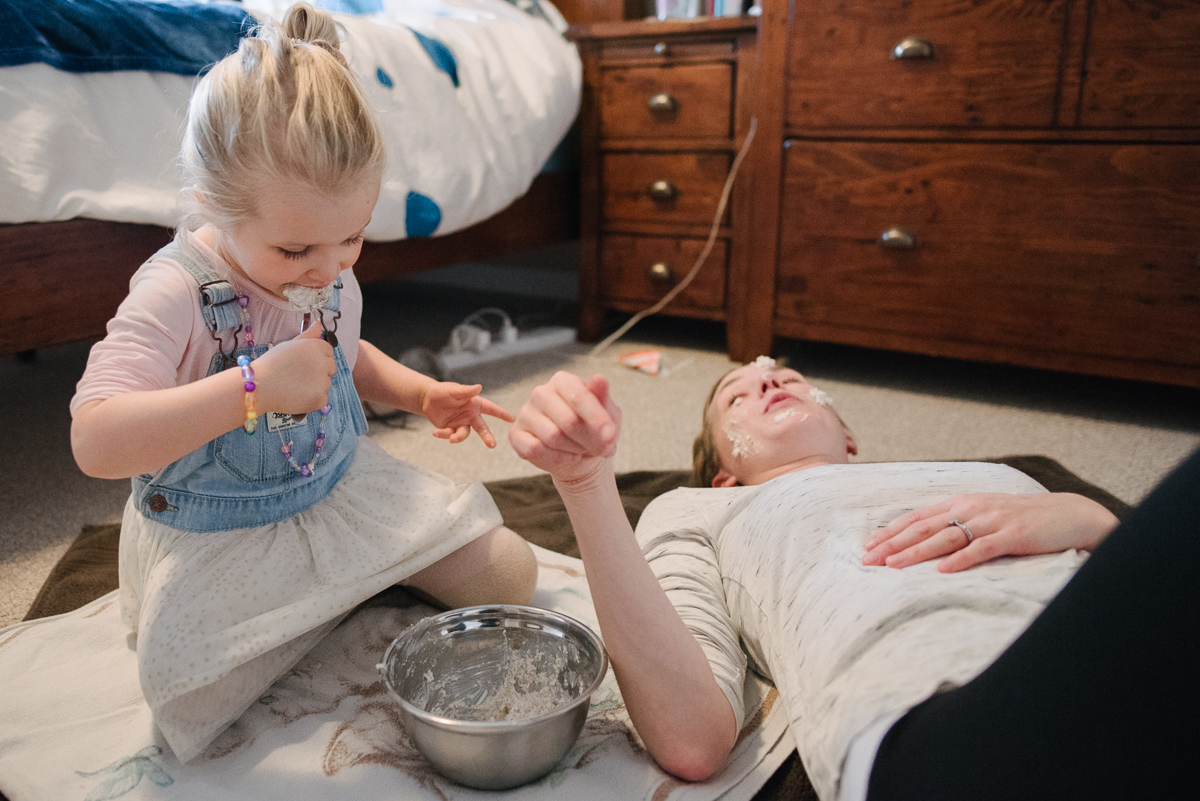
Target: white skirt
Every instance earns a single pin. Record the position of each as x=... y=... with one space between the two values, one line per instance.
x=219 y=616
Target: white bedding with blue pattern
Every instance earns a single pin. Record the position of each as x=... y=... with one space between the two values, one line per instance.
x=473 y=96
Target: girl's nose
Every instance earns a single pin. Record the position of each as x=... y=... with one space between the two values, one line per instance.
x=326 y=273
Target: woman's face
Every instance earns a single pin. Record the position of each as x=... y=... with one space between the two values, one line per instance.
x=768 y=420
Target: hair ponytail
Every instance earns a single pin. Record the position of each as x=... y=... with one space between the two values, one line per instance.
x=285 y=107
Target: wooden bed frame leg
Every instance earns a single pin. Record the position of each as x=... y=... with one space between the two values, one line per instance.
x=591 y=322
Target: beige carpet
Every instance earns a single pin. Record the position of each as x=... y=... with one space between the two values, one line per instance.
x=1122 y=436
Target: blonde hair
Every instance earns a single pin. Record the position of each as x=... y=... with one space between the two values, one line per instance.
x=285 y=106
x=706 y=461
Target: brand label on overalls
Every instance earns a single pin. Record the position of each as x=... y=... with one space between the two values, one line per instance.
x=278 y=421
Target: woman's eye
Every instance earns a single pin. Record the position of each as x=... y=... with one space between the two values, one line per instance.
x=736 y=401
x=294 y=254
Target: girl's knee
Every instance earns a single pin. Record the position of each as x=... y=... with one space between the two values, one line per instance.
x=498 y=567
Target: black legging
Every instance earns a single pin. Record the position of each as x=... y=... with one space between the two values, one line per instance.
x=1099 y=698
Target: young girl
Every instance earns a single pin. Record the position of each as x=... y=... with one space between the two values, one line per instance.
x=969 y=677
x=229 y=389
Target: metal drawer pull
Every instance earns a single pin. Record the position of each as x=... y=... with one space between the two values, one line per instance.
x=912 y=48
x=660 y=273
x=661 y=48
x=662 y=190
x=662 y=103
x=896 y=237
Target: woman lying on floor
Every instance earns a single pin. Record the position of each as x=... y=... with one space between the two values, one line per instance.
x=1051 y=675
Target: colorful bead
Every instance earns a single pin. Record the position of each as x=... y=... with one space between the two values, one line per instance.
x=251 y=425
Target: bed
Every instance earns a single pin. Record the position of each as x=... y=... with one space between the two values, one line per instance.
x=477 y=98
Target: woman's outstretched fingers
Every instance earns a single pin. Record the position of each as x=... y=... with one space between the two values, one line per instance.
x=904 y=533
x=566 y=426
x=1000 y=525
x=944 y=539
x=580 y=414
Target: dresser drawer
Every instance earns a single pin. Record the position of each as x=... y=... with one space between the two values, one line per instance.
x=667 y=48
x=641 y=269
x=1143 y=66
x=1088 y=249
x=663 y=187
x=673 y=102
x=993 y=63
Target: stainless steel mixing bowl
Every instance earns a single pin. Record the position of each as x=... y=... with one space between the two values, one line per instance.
x=460 y=660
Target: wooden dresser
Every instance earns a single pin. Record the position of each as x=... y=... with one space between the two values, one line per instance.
x=1013 y=181
x=665 y=109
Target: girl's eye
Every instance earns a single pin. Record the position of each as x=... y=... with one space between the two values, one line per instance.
x=354 y=240
x=294 y=254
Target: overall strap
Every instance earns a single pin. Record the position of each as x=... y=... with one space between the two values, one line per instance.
x=218 y=301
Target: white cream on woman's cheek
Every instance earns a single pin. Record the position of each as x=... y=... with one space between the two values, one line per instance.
x=743 y=444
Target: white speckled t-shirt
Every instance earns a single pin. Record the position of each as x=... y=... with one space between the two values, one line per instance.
x=778 y=568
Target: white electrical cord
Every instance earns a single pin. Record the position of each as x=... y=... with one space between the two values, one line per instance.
x=466 y=336
x=708 y=246
x=506 y=323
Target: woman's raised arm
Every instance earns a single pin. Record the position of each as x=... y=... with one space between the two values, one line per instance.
x=570 y=428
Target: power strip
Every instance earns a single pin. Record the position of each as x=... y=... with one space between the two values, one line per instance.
x=526 y=342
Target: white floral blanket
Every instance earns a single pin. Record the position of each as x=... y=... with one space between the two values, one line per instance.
x=74 y=726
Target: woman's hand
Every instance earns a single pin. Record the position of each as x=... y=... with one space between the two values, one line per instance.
x=1000 y=525
x=455 y=409
x=294 y=377
x=568 y=427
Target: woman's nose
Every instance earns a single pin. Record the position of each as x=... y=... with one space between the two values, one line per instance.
x=768 y=383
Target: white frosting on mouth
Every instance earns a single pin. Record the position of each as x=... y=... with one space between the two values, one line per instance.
x=790 y=411
x=308 y=299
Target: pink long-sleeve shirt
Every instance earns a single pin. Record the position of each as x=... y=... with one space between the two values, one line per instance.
x=158 y=338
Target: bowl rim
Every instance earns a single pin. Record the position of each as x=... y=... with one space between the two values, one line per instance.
x=489 y=726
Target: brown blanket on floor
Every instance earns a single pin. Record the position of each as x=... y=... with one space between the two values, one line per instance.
x=532 y=508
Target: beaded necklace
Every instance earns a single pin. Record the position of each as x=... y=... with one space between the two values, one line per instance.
x=305 y=469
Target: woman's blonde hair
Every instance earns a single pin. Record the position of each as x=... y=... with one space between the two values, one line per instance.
x=285 y=106
x=706 y=462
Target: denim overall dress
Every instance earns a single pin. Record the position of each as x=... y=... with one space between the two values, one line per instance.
x=242 y=480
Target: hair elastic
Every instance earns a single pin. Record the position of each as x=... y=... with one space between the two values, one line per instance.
x=251 y=424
